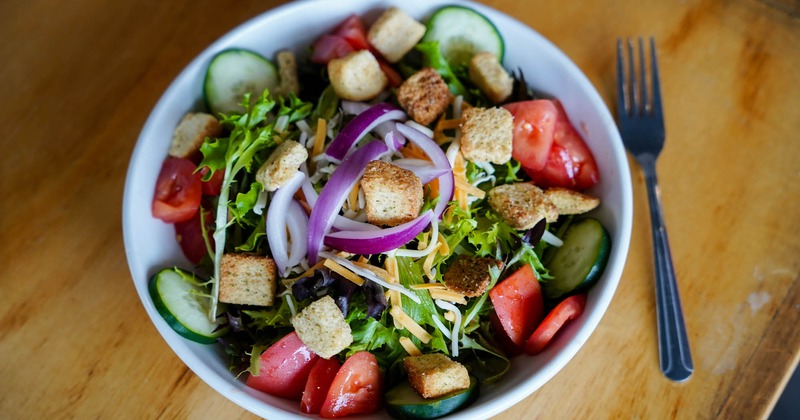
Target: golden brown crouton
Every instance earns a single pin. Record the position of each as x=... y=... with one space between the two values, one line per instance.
x=522 y=205
x=487 y=135
x=424 y=96
x=491 y=78
x=287 y=69
x=571 y=202
x=281 y=165
x=191 y=132
x=357 y=76
x=394 y=34
x=469 y=275
x=393 y=195
x=321 y=327
x=434 y=374
x=247 y=280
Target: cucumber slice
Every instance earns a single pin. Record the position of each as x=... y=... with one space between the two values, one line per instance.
x=578 y=263
x=404 y=403
x=179 y=298
x=234 y=72
x=462 y=33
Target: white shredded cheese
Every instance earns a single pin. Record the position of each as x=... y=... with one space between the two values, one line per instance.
x=369 y=275
x=414 y=253
x=447 y=306
x=551 y=239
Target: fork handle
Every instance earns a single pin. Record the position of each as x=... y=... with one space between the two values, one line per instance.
x=673 y=343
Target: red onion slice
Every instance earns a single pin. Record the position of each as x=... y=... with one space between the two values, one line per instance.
x=297 y=224
x=437 y=156
x=421 y=168
x=335 y=191
x=376 y=242
x=359 y=126
x=276 y=221
x=339 y=222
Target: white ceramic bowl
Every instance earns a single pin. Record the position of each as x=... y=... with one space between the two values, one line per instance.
x=150 y=244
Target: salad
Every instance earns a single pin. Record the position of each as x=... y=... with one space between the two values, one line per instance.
x=381 y=223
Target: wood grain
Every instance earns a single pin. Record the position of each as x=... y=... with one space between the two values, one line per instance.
x=79 y=79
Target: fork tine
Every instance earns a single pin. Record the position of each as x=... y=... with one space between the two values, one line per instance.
x=632 y=82
x=621 y=98
x=645 y=106
x=656 y=108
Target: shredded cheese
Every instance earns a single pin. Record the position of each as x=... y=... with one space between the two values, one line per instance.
x=415 y=329
x=319 y=138
x=349 y=275
x=450 y=316
x=411 y=349
x=470 y=189
x=352 y=198
x=460 y=176
x=369 y=275
x=427 y=266
x=428 y=286
x=447 y=306
x=448 y=295
x=445 y=248
x=306 y=273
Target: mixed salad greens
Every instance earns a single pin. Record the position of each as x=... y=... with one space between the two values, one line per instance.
x=472 y=271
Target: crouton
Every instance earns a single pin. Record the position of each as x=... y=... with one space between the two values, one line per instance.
x=287 y=70
x=434 y=374
x=487 y=135
x=393 y=195
x=247 y=279
x=571 y=202
x=357 y=76
x=522 y=205
x=322 y=328
x=281 y=165
x=469 y=275
x=491 y=78
x=394 y=34
x=191 y=132
x=424 y=96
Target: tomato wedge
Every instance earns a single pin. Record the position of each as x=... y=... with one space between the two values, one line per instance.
x=534 y=124
x=284 y=368
x=178 y=191
x=570 y=163
x=518 y=305
x=327 y=47
x=190 y=236
x=568 y=309
x=352 y=29
x=356 y=389
x=213 y=186
x=319 y=382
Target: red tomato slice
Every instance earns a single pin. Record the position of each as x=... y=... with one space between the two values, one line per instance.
x=534 y=124
x=518 y=304
x=214 y=185
x=319 y=382
x=352 y=29
x=178 y=191
x=328 y=47
x=284 y=369
x=395 y=80
x=569 y=308
x=190 y=236
x=570 y=163
x=356 y=389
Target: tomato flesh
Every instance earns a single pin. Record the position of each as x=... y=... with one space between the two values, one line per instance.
x=178 y=191
x=213 y=185
x=356 y=389
x=190 y=236
x=352 y=30
x=284 y=368
x=518 y=305
x=319 y=382
x=534 y=124
x=329 y=47
x=568 y=309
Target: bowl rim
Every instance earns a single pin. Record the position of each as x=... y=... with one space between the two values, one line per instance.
x=185 y=350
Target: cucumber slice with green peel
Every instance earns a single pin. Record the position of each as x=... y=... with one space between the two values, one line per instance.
x=184 y=303
x=403 y=402
x=578 y=263
x=234 y=72
x=461 y=33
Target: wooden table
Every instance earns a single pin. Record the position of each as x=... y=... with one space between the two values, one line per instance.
x=79 y=79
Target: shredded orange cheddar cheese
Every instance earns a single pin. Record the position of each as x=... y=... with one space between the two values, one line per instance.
x=409 y=346
x=415 y=329
x=349 y=275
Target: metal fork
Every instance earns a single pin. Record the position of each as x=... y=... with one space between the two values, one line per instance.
x=641 y=124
